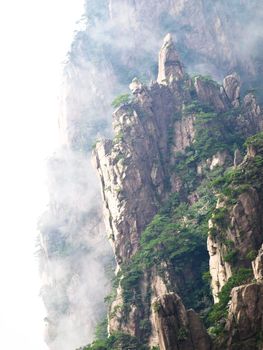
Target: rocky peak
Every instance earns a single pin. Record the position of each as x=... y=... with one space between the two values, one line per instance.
x=211 y=93
x=151 y=156
x=135 y=86
x=170 y=66
x=231 y=85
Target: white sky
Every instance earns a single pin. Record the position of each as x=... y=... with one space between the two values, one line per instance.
x=34 y=38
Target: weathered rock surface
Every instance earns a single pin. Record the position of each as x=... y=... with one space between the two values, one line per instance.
x=177 y=328
x=257 y=265
x=252 y=122
x=170 y=66
x=237 y=158
x=132 y=171
x=220 y=270
x=245 y=234
x=245 y=319
x=231 y=85
x=218 y=160
x=211 y=94
x=135 y=170
x=97 y=70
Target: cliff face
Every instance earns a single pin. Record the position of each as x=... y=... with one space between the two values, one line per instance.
x=156 y=152
x=162 y=193
x=118 y=40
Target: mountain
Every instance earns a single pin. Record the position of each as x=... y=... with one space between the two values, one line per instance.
x=180 y=196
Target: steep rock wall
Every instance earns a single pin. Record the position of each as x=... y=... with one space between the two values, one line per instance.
x=137 y=177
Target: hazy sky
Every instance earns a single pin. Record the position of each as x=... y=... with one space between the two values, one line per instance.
x=34 y=37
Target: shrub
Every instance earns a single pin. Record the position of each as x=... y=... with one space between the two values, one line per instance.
x=220 y=216
x=118 y=138
x=156 y=306
x=251 y=255
x=218 y=312
x=183 y=334
x=120 y=100
x=231 y=256
x=116 y=341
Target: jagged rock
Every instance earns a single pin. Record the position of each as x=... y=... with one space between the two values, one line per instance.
x=251 y=104
x=135 y=168
x=245 y=319
x=200 y=338
x=184 y=133
x=237 y=158
x=257 y=265
x=170 y=67
x=178 y=329
x=218 y=159
x=210 y=93
x=220 y=270
x=244 y=232
x=231 y=85
x=246 y=218
x=251 y=121
x=135 y=85
x=132 y=173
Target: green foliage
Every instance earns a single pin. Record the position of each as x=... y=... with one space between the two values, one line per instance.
x=239 y=180
x=183 y=334
x=231 y=256
x=132 y=274
x=156 y=306
x=251 y=255
x=214 y=132
x=118 y=138
x=218 y=312
x=203 y=117
x=117 y=341
x=120 y=100
x=101 y=331
x=177 y=234
x=206 y=78
x=197 y=107
x=256 y=141
x=146 y=327
x=207 y=277
x=220 y=217
x=185 y=168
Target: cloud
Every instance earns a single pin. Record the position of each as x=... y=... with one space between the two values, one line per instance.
x=117 y=40
x=75 y=254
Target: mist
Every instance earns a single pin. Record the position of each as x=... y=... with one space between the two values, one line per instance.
x=30 y=69
x=115 y=41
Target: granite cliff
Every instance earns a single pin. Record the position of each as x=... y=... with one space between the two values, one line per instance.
x=174 y=176
x=173 y=139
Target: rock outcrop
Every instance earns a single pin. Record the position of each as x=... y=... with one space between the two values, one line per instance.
x=178 y=329
x=155 y=138
x=220 y=270
x=244 y=235
x=257 y=265
x=210 y=93
x=231 y=85
x=138 y=171
x=170 y=66
x=245 y=319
